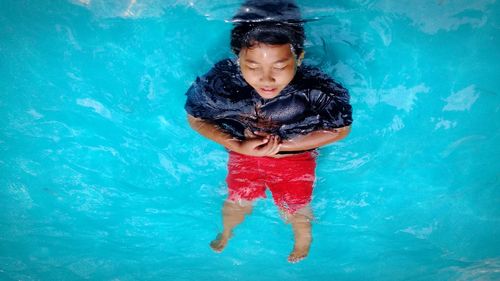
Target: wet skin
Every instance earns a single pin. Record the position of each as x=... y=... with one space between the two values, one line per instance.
x=268 y=68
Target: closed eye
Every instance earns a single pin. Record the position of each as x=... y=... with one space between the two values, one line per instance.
x=280 y=67
x=252 y=67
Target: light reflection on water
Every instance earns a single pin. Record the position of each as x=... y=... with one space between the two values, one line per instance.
x=103 y=179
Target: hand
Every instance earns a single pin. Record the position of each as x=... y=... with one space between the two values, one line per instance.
x=249 y=134
x=259 y=146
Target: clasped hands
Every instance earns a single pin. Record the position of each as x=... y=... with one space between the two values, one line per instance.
x=258 y=144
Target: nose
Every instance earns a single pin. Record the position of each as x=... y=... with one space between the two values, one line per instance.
x=267 y=77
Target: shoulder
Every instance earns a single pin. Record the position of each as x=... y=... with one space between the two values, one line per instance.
x=223 y=79
x=312 y=79
x=222 y=69
x=226 y=66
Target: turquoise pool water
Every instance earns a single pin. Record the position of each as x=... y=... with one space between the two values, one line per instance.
x=102 y=179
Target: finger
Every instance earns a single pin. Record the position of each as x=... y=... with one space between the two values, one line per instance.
x=263 y=147
x=261 y=134
x=248 y=133
x=276 y=140
x=272 y=148
x=277 y=146
x=275 y=150
x=272 y=145
x=260 y=143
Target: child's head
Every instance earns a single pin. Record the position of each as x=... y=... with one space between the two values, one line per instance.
x=268 y=38
x=247 y=35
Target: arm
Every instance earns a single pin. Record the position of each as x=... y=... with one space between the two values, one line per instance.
x=263 y=146
x=315 y=139
x=212 y=132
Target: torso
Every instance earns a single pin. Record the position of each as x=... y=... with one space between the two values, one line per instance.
x=236 y=106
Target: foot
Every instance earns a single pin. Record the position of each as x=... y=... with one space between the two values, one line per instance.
x=298 y=254
x=301 y=248
x=219 y=243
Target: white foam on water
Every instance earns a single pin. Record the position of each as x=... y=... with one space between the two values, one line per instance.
x=96 y=106
x=461 y=100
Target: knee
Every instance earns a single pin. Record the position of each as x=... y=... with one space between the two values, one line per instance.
x=303 y=215
x=242 y=207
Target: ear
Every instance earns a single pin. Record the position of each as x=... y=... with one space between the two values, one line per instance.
x=300 y=58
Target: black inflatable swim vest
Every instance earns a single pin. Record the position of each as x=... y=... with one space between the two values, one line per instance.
x=312 y=101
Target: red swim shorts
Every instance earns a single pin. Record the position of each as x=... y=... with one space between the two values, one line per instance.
x=290 y=179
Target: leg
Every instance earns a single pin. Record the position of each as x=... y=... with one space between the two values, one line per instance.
x=244 y=187
x=233 y=213
x=301 y=225
x=292 y=187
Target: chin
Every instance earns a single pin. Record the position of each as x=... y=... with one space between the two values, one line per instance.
x=268 y=95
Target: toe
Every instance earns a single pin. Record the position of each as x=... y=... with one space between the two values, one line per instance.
x=218 y=243
x=297 y=256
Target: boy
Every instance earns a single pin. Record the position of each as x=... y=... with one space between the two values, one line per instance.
x=271 y=113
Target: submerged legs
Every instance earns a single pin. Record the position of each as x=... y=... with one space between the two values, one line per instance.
x=301 y=225
x=233 y=213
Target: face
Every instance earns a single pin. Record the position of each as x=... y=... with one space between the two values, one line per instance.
x=268 y=68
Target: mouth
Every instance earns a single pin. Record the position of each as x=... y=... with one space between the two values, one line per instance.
x=268 y=90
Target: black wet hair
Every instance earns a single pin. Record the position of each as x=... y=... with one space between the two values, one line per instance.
x=273 y=22
x=247 y=35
